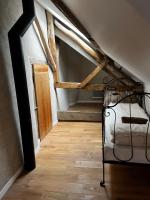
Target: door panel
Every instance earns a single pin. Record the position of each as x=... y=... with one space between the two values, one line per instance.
x=42 y=90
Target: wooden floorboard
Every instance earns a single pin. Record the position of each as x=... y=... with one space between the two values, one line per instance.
x=69 y=168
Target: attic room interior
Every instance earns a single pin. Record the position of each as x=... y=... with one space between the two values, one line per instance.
x=75 y=100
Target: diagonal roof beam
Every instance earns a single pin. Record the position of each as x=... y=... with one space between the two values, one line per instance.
x=74 y=20
x=52 y=43
x=79 y=41
x=51 y=35
x=118 y=74
x=73 y=44
x=92 y=75
x=40 y=34
x=74 y=85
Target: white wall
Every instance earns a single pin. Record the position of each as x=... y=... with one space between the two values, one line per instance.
x=10 y=145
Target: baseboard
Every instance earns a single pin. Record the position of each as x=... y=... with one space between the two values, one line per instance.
x=38 y=147
x=10 y=182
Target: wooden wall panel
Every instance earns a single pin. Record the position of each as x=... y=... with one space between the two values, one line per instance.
x=42 y=90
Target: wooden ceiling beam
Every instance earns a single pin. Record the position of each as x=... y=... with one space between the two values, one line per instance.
x=52 y=43
x=94 y=87
x=119 y=74
x=44 y=44
x=92 y=75
x=73 y=19
x=76 y=22
x=51 y=35
x=79 y=41
x=68 y=85
x=74 y=85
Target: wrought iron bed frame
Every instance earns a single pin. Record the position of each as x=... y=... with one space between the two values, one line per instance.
x=141 y=100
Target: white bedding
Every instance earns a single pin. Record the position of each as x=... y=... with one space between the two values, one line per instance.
x=122 y=130
x=122 y=148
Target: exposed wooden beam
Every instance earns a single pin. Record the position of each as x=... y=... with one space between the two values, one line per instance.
x=60 y=35
x=51 y=35
x=75 y=21
x=92 y=75
x=97 y=87
x=122 y=88
x=118 y=73
x=79 y=41
x=52 y=42
x=74 y=85
x=44 y=44
x=68 y=85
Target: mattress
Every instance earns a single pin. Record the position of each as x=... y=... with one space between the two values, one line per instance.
x=121 y=132
x=122 y=150
x=114 y=152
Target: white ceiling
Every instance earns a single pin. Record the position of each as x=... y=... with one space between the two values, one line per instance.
x=121 y=28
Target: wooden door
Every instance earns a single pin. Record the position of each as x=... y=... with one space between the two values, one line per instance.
x=43 y=100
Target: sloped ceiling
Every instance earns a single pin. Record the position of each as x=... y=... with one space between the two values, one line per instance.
x=121 y=28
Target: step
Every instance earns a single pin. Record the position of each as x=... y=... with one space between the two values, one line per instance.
x=79 y=116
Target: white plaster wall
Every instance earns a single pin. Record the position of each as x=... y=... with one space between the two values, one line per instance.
x=10 y=145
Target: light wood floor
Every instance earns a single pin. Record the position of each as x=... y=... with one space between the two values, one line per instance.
x=69 y=168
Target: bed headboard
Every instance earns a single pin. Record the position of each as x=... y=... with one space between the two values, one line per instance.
x=117 y=89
